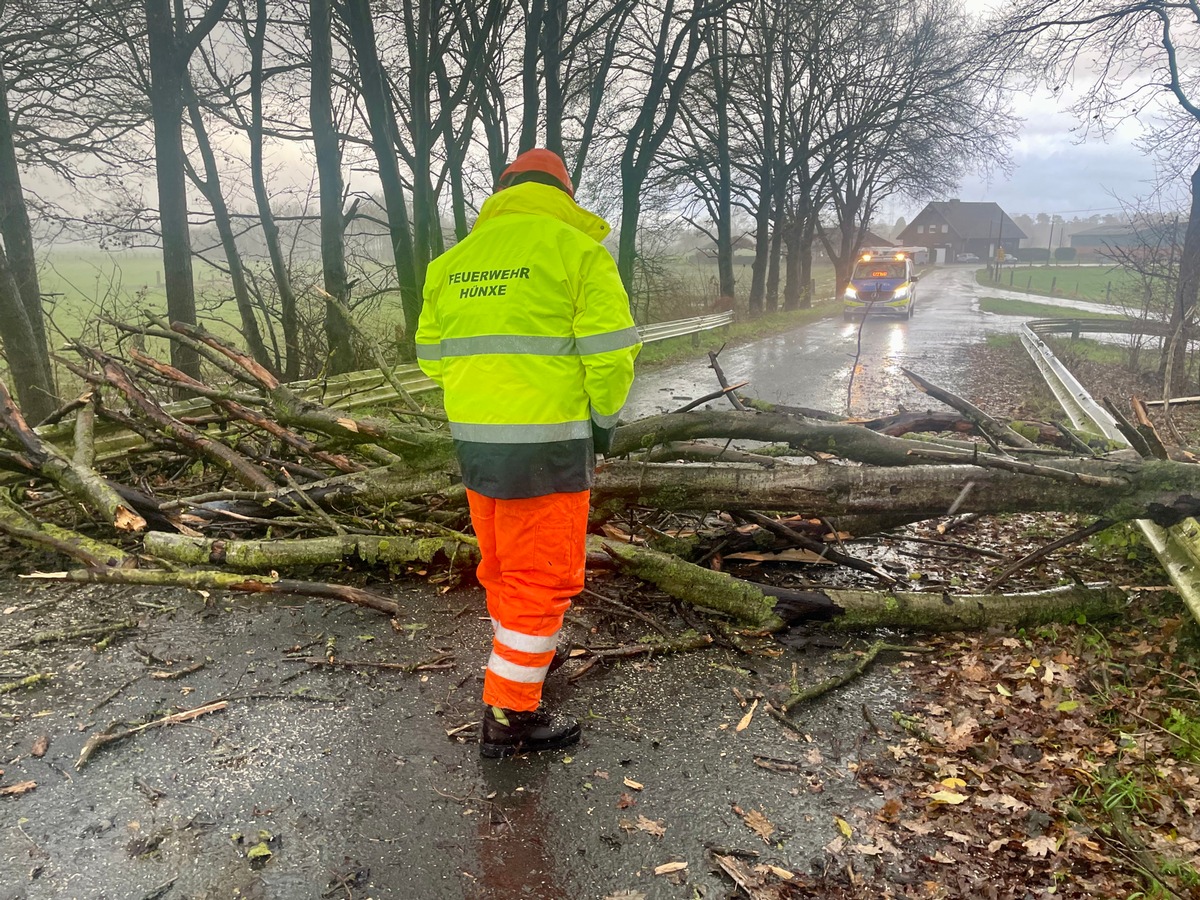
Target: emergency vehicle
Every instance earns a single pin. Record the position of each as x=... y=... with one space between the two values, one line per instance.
x=881 y=282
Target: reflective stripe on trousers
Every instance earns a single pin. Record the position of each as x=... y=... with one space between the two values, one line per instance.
x=532 y=553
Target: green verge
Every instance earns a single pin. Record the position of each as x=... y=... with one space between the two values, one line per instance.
x=1031 y=310
x=1096 y=284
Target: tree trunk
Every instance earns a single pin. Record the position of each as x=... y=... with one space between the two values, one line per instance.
x=762 y=247
x=289 y=317
x=1162 y=491
x=722 y=82
x=553 y=20
x=456 y=145
x=771 y=301
x=34 y=378
x=168 y=64
x=805 y=262
x=327 y=147
x=631 y=210
x=792 y=286
x=531 y=94
x=458 y=551
x=34 y=388
x=210 y=187
x=1186 y=292
x=770 y=609
x=381 y=119
x=426 y=220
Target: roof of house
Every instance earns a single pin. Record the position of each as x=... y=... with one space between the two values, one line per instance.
x=968 y=219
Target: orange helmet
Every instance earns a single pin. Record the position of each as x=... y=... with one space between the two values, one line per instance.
x=537 y=160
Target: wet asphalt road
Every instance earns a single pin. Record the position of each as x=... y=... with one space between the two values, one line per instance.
x=352 y=779
x=812 y=367
x=366 y=783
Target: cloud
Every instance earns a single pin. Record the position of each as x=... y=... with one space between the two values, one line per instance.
x=1056 y=168
x=1054 y=176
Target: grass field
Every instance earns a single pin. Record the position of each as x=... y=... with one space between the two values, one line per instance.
x=83 y=286
x=699 y=279
x=1097 y=284
x=1031 y=310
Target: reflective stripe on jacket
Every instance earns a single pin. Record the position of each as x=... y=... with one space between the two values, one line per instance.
x=526 y=327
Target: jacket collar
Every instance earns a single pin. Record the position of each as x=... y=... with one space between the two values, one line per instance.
x=536 y=199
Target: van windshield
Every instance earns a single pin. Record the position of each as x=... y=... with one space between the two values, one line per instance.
x=879 y=268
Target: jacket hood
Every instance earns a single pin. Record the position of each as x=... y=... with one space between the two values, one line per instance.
x=536 y=199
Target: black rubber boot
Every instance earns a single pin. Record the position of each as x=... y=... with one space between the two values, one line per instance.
x=506 y=732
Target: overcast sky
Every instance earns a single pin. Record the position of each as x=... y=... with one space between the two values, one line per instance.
x=1051 y=171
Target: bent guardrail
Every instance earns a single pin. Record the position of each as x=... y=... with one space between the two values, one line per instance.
x=1177 y=547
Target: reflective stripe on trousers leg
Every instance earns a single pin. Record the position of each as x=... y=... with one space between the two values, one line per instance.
x=526 y=643
x=540 y=551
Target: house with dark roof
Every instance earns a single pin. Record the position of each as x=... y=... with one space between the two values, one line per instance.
x=950 y=228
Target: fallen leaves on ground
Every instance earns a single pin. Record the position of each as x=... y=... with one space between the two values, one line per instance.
x=1060 y=762
x=756 y=822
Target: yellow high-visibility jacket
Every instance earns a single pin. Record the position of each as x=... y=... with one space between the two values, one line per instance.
x=526 y=327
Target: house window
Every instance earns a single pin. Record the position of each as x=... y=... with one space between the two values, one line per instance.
x=920 y=229
x=945 y=229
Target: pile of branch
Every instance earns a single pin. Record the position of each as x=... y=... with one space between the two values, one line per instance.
x=261 y=484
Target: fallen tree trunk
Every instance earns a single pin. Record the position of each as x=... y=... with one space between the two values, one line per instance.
x=752 y=605
x=457 y=550
x=72 y=544
x=849 y=441
x=80 y=483
x=930 y=611
x=1162 y=491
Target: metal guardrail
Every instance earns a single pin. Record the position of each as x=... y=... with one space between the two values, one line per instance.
x=1177 y=547
x=660 y=331
x=1099 y=325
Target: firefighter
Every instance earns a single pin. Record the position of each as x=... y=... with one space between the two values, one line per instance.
x=526 y=327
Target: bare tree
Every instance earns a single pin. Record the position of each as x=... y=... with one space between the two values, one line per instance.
x=385 y=140
x=210 y=186
x=1139 y=58
x=254 y=35
x=664 y=52
x=53 y=57
x=702 y=154
x=912 y=119
x=22 y=328
x=172 y=44
x=327 y=146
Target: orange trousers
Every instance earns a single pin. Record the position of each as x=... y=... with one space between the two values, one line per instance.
x=533 y=556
